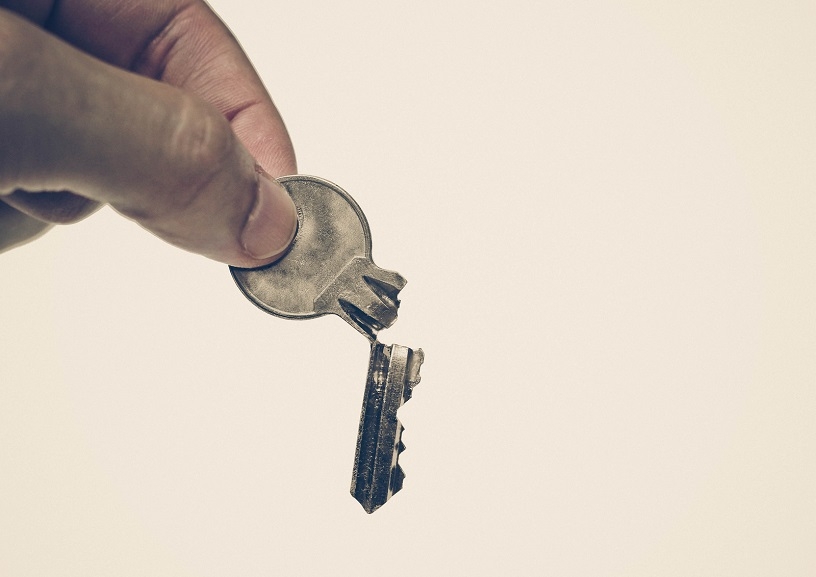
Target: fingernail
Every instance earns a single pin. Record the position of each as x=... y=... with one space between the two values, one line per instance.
x=272 y=224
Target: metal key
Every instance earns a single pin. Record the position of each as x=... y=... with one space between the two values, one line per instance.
x=393 y=372
x=328 y=269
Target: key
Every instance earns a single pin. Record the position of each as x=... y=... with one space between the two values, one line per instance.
x=393 y=372
x=328 y=269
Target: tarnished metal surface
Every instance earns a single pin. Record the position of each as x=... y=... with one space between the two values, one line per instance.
x=393 y=372
x=328 y=268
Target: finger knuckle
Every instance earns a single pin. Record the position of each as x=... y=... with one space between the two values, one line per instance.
x=16 y=48
x=14 y=59
x=205 y=145
x=10 y=37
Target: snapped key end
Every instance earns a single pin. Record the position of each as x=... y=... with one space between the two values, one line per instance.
x=393 y=372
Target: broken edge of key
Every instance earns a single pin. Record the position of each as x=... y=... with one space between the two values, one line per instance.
x=364 y=295
x=393 y=372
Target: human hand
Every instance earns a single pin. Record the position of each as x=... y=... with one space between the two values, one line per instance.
x=150 y=106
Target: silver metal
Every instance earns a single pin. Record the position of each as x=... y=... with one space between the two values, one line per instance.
x=328 y=268
x=393 y=372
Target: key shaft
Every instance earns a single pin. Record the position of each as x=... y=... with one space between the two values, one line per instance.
x=393 y=372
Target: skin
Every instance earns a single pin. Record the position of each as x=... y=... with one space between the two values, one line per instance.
x=149 y=106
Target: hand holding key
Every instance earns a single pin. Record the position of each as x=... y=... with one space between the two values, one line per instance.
x=328 y=269
x=151 y=107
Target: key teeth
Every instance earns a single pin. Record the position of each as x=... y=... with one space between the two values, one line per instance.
x=397 y=477
x=392 y=373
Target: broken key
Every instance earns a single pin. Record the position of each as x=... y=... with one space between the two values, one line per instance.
x=393 y=372
x=328 y=268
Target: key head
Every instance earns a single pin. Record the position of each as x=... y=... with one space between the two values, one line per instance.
x=328 y=268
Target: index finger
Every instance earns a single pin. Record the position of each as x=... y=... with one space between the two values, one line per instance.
x=182 y=43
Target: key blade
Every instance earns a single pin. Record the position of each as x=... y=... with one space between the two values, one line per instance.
x=393 y=372
x=364 y=295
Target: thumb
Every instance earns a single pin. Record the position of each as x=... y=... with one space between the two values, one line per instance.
x=158 y=155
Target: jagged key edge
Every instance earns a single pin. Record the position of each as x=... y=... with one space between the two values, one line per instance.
x=412 y=378
x=414 y=361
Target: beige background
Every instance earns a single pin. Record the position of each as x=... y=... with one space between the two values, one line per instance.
x=607 y=217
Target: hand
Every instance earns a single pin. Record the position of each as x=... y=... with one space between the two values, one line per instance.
x=150 y=106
